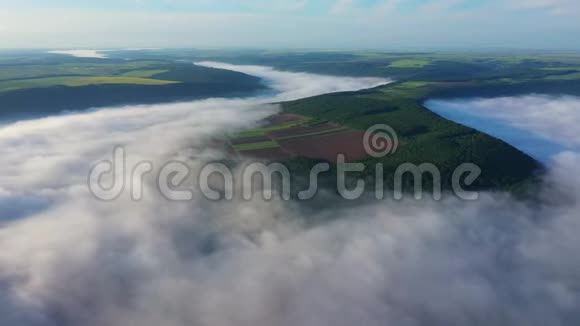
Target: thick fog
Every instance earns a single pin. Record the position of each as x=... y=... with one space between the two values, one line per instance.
x=70 y=259
x=540 y=125
x=553 y=117
x=81 y=53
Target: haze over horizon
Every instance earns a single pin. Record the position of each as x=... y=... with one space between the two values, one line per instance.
x=337 y=24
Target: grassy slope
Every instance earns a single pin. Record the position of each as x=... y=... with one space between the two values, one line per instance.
x=73 y=81
x=424 y=136
x=262 y=131
x=409 y=63
x=256 y=146
x=14 y=70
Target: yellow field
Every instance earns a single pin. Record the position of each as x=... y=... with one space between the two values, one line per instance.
x=78 y=81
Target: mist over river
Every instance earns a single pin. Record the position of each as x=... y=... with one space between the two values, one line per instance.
x=68 y=259
x=541 y=126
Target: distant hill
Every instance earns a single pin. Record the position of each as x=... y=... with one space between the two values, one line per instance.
x=334 y=123
x=48 y=88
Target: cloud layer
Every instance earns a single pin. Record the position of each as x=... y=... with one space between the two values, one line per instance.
x=77 y=261
x=46 y=157
x=81 y=53
x=550 y=118
x=301 y=85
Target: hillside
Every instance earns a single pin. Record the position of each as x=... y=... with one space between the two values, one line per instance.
x=335 y=123
x=45 y=86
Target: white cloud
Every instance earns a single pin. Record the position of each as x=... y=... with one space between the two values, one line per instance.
x=300 y=85
x=78 y=261
x=255 y=263
x=55 y=153
x=61 y=227
x=558 y=7
x=81 y=53
x=343 y=7
x=553 y=118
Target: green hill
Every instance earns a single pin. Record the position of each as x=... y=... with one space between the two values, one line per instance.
x=41 y=87
x=424 y=136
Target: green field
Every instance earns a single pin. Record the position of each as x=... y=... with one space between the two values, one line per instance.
x=410 y=63
x=12 y=85
x=15 y=70
x=562 y=68
x=34 y=83
x=18 y=77
x=319 y=133
x=423 y=135
x=145 y=73
x=571 y=76
x=262 y=131
x=256 y=146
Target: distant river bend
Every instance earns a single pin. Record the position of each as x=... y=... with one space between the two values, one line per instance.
x=517 y=122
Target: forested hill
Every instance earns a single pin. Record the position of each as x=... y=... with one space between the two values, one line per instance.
x=39 y=88
x=424 y=136
x=319 y=129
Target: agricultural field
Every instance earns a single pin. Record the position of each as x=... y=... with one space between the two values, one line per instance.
x=12 y=85
x=36 y=84
x=334 y=124
x=15 y=77
x=409 y=63
x=287 y=136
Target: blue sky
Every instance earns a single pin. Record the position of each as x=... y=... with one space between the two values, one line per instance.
x=369 y=24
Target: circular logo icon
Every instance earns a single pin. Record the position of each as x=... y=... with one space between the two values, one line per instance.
x=380 y=140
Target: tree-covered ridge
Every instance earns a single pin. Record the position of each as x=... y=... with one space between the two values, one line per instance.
x=424 y=136
x=47 y=85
